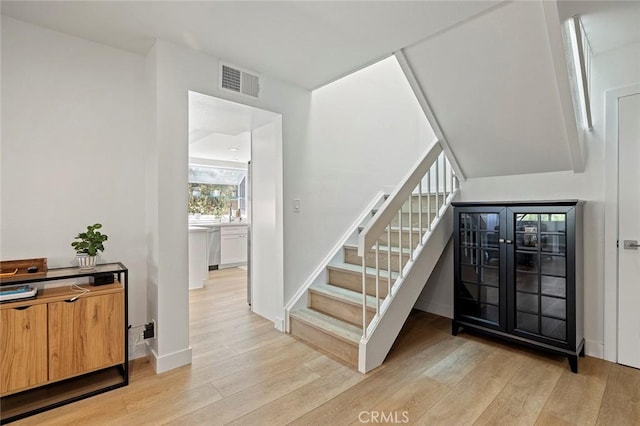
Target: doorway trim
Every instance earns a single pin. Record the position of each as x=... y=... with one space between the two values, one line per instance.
x=611 y=219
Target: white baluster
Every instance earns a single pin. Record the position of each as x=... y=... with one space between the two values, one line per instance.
x=364 y=296
x=420 y=212
x=377 y=278
x=438 y=187
x=410 y=228
x=429 y=199
x=389 y=260
x=400 y=242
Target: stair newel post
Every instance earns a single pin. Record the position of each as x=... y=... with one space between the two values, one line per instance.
x=377 y=278
x=419 y=212
x=364 y=295
x=389 y=260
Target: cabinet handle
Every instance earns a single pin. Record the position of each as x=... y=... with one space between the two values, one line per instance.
x=508 y=241
x=501 y=240
x=22 y=308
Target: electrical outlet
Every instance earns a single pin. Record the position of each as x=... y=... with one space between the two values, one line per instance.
x=149 y=330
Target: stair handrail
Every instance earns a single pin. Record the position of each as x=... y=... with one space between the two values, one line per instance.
x=390 y=207
x=369 y=237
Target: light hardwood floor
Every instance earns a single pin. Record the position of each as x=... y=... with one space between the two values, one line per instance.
x=244 y=372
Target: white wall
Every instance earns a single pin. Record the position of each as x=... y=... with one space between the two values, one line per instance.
x=613 y=69
x=176 y=71
x=366 y=130
x=267 y=222
x=73 y=115
x=437 y=295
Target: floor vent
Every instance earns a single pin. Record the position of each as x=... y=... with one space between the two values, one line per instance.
x=239 y=81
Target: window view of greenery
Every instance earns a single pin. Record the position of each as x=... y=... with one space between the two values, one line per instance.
x=207 y=199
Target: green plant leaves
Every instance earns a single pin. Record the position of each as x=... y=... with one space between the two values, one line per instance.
x=91 y=242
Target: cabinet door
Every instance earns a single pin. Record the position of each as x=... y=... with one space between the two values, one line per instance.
x=479 y=275
x=540 y=276
x=233 y=245
x=229 y=248
x=242 y=248
x=86 y=335
x=23 y=347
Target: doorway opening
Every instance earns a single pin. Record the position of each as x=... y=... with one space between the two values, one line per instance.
x=234 y=185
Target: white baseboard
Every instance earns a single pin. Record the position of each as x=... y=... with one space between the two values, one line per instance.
x=594 y=348
x=242 y=265
x=170 y=361
x=279 y=324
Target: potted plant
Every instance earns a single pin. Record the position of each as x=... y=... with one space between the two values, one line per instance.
x=90 y=243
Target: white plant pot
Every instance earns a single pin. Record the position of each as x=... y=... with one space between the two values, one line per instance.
x=85 y=261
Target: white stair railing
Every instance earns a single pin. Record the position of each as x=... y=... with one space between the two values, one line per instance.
x=433 y=178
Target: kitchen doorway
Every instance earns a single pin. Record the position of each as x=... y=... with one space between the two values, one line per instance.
x=235 y=183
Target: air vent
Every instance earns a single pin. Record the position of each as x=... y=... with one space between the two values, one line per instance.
x=240 y=81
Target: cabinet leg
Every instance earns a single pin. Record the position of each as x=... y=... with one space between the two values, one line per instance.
x=573 y=363
x=582 y=352
x=454 y=328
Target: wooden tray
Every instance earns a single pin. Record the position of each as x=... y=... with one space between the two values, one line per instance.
x=11 y=270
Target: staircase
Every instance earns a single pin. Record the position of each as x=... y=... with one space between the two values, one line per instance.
x=373 y=280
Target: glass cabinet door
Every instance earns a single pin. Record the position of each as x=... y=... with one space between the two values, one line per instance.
x=479 y=260
x=540 y=258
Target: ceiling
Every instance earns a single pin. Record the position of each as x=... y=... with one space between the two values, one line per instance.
x=484 y=66
x=308 y=43
x=221 y=129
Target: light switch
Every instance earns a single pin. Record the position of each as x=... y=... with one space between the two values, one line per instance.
x=296 y=205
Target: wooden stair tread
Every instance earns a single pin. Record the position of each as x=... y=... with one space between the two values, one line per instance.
x=333 y=326
x=350 y=267
x=344 y=294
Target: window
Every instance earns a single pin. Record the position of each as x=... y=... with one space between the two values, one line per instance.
x=579 y=58
x=216 y=191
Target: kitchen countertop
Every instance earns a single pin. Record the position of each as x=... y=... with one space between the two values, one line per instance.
x=212 y=224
